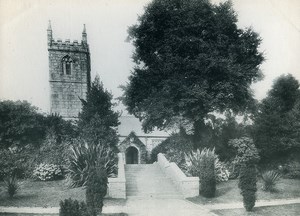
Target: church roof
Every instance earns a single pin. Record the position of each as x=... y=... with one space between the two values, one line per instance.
x=130 y=123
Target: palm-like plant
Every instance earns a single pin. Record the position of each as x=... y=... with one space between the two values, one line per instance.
x=83 y=157
x=202 y=164
x=11 y=184
x=270 y=178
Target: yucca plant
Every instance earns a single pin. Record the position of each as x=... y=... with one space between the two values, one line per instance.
x=85 y=156
x=270 y=179
x=202 y=164
x=11 y=184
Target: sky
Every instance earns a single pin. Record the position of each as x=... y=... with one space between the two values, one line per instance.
x=24 y=68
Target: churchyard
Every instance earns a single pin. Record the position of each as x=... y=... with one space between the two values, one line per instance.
x=226 y=153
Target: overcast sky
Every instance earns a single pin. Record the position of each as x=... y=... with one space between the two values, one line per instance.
x=23 y=41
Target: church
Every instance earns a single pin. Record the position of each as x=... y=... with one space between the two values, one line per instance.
x=70 y=79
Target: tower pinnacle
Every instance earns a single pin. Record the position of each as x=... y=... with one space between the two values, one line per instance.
x=49 y=33
x=84 y=36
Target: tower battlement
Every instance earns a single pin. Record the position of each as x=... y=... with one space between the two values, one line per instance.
x=69 y=74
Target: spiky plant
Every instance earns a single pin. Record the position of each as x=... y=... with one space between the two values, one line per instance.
x=85 y=156
x=11 y=184
x=202 y=164
x=270 y=179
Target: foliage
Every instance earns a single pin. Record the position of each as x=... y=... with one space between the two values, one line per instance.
x=70 y=207
x=97 y=120
x=85 y=156
x=16 y=161
x=270 y=178
x=53 y=152
x=11 y=184
x=202 y=164
x=247 y=158
x=47 y=172
x=173 y=148
x=276 y=125
x=60 y=130
x=191 y=59
x=291 y=170
x=233 y=168
x=221 y=172
x=96 y=188
x=247 y=184
x=20 y=124
x=246 y=150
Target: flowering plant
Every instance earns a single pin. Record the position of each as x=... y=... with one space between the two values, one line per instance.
x=47 y=172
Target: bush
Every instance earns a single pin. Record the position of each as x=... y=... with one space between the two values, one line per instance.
x=47 y=172
x=16 y=161
x=84 y=156
x=221 y=172
x=70 y=207
x=247 y=184
x=270 y=178
x=11 y=184
x=247 y=157
x=174 y=148
x=202 y=164
x=96 y=188
x=291 y=170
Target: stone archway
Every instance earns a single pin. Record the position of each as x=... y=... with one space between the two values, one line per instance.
x=132 y=155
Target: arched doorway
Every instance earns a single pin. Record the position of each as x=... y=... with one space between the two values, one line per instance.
x=132 y=155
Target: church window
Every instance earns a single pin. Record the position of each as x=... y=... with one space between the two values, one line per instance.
x=67 y=64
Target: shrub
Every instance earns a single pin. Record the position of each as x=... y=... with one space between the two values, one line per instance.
x=11 y=184
x=291 y=170
x=247 y=184
x=247 y=157
x=47 y=172
x=96 y=188
x=70 y=207
x=85 y=156
x=233 y=168
x=202 y=164
x=270 y=178
x=221 y=171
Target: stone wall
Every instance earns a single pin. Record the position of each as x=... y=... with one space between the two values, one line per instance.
x=117 y=186
x=188 y=186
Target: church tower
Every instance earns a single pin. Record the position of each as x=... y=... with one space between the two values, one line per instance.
x=69 y=74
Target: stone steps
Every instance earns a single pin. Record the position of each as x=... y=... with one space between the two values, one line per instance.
x=148 y=181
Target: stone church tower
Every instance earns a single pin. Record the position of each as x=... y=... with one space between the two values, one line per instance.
x=69 y=74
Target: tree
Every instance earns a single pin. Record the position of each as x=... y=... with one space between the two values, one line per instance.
x=247 y=157
x=191 y=59
x=276 y=125
x=97 y=120
x=20 y=124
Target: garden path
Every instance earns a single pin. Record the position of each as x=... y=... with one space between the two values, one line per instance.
x=157 y=207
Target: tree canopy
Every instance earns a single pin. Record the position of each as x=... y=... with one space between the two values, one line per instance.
x=97 y=120
x=20 y=124
x=190 y=59
x=276 y=125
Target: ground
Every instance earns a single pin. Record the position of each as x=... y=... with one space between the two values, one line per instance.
x=282 y=210
x=46 y=194
x=228 y=192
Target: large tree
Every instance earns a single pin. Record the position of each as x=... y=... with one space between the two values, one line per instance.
x=276 y=125
x=97 y=120
x=190 y=59
x=20 y=124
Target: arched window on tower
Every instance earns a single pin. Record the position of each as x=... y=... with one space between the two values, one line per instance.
x=67 y=64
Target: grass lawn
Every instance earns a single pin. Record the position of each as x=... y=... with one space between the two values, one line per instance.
x=282 y=210
x=228 y=192
x=46 y=194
